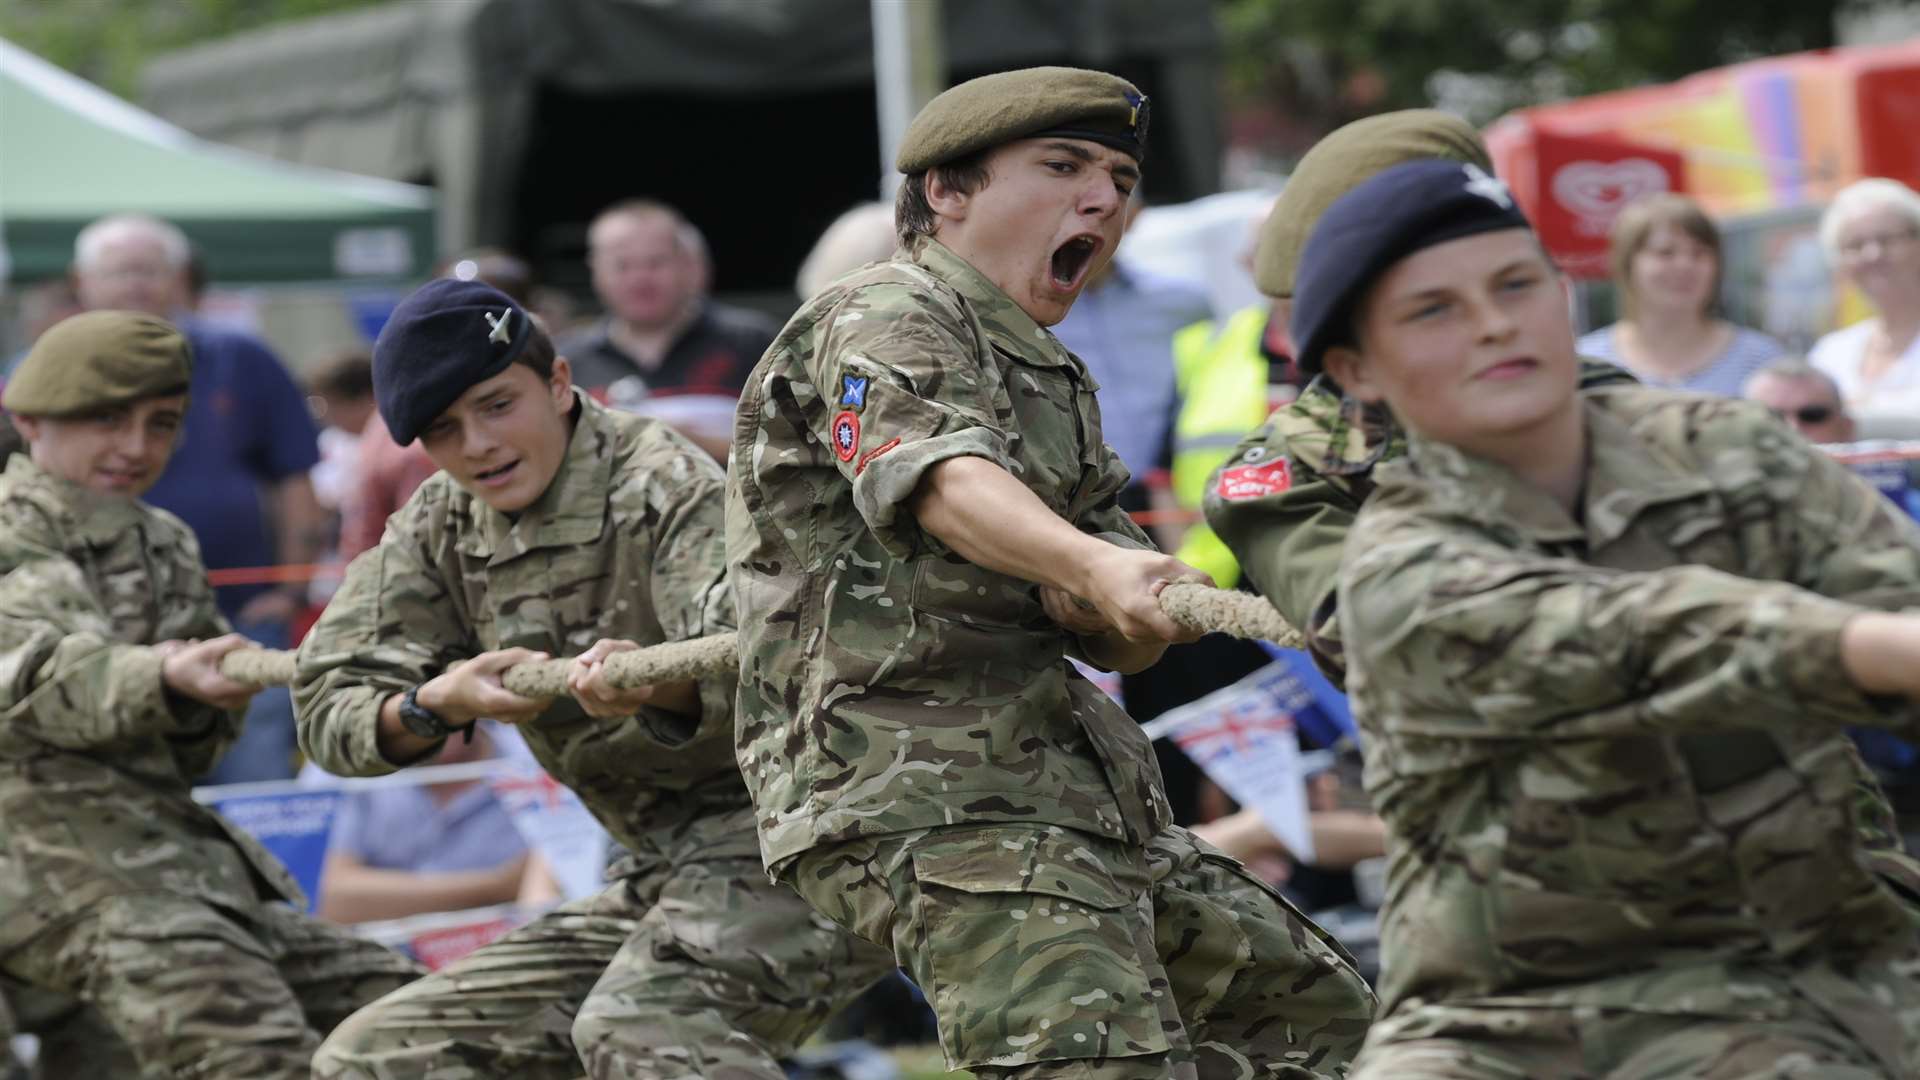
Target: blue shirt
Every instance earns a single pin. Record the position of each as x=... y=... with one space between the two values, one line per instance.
x=1748 y=352
x=247 y=429
x=403 y=828
x=1123 y=328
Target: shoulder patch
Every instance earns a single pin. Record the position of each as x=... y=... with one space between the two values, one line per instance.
x=853 y=392
x=846 y=435
x=1255 y=481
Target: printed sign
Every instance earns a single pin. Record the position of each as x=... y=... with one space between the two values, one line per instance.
x=294 y=826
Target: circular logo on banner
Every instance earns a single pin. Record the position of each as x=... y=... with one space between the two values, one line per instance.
x=846 y=435
x=1596 y=191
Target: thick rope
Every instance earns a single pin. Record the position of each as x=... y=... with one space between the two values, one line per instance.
x=1197 y=607
x=1223 y=611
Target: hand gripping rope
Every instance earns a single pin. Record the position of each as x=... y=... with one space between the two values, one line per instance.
x=1194 y=606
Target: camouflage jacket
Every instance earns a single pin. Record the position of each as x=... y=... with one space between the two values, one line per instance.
x=625 y=543
x=1287 y=497
x=886 y=683
x=1610 y=751
x=97 y=757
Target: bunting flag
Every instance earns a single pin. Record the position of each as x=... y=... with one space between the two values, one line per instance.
x=554 y=823
x=1246 y=739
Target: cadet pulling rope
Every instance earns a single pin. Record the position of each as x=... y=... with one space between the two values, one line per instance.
x=1197 y=607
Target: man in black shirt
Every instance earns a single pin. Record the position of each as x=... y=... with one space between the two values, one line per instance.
x=650 y=270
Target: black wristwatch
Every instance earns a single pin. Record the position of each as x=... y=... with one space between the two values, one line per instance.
x=424 y=722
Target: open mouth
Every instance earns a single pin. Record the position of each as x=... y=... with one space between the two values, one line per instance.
x=1071 y=260
x=495 y=475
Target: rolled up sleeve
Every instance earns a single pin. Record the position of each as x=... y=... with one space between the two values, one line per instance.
x=390 y=626
x=903 y=387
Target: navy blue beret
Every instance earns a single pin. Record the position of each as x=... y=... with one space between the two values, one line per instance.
x=1388 y=217
x=442 y=339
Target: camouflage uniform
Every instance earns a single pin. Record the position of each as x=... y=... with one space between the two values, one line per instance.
x=1610 y=753
x=1288 y=538
x=927 y=768
x=689 y=961
x=1288 y=535
x=115 y=886
x=74 y=1039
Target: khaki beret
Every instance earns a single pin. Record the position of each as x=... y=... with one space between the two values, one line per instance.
x=1339 y=163
x=99 y=360
x=993 y=109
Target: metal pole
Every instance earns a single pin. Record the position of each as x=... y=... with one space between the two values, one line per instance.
x=909 y=68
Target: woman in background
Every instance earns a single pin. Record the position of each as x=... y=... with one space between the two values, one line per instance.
x=1871 y=235
x=1665 y=256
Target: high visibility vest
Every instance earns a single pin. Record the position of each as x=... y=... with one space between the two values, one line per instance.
x=1222 y=378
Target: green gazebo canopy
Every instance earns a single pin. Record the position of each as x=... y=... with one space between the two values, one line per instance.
x=70 y=153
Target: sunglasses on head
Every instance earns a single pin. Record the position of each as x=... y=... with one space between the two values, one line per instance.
x=1807 y=414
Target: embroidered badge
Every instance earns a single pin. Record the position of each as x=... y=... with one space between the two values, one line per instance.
x=874 y=453
x=500 y=329
x=846 y=435
x=1136 y=113
x=853 y=392
x=1487 y=187
x=1255 y=481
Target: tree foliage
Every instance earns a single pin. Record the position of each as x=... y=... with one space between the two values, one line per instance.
x=1346 y=57
x=108 y=41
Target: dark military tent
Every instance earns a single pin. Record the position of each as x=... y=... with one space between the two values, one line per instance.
x=756 y=117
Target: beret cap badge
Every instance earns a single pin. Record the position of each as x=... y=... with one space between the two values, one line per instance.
x=500 y=327
x=1139 y=110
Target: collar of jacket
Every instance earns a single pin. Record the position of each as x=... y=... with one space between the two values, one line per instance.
x=1625 y=474
x=573 y=509
x=1335 y=435
x=1008 y=327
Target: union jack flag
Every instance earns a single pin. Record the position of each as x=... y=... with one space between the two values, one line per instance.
x=1244 y=725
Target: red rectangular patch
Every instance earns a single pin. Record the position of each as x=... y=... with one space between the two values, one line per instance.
x=874 y=453
x=1255 y=481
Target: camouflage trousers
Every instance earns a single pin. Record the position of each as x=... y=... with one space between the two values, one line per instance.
x=1811 y=1023
x=74 y=1038
x=1048 y=952
x=196 y=991
x=690 y=964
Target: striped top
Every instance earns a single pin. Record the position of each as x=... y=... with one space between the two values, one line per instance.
x=1748 y=352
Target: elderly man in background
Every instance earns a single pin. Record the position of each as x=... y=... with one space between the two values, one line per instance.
x=663 y=338
x=1805 y=398
x=240 y=476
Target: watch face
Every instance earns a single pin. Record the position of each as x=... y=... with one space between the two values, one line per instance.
x=420 y=720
